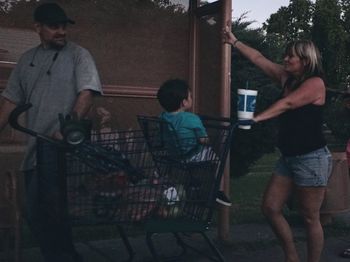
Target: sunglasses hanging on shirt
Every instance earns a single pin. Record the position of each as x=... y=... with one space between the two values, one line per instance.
x=48 y=72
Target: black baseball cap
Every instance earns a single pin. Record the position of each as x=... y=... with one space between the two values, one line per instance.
x=51 y=13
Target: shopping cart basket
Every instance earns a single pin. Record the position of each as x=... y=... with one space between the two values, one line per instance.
x=194 y=170
x=172 y=193
x=120 y=178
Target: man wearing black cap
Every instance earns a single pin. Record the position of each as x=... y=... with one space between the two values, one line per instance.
x=51 y=22
x=56 y=77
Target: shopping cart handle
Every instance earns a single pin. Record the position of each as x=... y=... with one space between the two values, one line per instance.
x=13 y=119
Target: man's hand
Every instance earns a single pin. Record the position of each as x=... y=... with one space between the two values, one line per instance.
x=57 y=135
x=6 y=108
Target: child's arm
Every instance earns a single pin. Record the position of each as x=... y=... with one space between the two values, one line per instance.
x=196 y=125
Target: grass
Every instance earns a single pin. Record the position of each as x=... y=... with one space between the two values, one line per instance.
x=247 y=191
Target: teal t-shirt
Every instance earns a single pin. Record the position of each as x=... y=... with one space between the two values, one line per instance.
x=188 y=127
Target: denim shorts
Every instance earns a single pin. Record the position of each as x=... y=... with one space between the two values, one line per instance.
x=310 y=170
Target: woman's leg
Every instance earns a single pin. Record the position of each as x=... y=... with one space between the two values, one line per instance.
x=310 y=201
x=277 y=193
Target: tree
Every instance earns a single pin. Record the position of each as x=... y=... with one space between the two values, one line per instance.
x=291 y=22
x=7 y=5
x=278 y=22
x=249 y=145
x=330 y=32
x=330 y=36
x=345 y=10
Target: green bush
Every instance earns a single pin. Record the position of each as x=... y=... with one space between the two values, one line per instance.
x=249 y=145
x=337 y=117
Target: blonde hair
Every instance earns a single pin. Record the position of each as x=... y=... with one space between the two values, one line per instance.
x=309 y=54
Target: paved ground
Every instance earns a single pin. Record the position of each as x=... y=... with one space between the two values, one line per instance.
x=250 y=243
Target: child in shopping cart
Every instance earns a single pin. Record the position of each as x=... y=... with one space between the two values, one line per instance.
x=175 y=97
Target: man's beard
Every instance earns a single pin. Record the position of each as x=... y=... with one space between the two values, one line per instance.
x=57 y=44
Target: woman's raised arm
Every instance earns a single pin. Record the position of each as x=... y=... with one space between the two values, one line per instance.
x=271 y=69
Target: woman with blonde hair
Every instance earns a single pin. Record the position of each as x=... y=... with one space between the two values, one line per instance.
x=305 y=162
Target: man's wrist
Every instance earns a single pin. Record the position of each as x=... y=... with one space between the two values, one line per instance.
x=235 y=43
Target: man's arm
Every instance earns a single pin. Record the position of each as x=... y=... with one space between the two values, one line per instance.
x=83 y=103
x=81 y=108
x=6 y=108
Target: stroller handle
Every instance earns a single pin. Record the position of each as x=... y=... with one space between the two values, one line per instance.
x=13 y=119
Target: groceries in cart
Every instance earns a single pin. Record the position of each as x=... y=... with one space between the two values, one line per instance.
x=107 y=160
x=172 y=201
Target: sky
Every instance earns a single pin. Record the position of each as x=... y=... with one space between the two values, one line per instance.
x=259 y=10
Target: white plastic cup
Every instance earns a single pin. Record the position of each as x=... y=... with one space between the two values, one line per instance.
x=246 y=105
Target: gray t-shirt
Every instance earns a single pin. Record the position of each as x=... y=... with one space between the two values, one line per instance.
x=51 y=81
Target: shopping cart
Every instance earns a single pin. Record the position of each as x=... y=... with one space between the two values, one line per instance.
x=195 y=171
x=122 y=177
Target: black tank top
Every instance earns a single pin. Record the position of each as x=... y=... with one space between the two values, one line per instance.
x=301 y=130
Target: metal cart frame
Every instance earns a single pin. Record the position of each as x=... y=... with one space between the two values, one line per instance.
x=128 y=177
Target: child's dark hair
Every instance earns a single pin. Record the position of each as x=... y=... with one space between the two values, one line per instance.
x=171 y=94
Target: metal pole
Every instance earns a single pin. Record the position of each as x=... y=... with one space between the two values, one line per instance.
x=225 y=110
x=193 y=41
